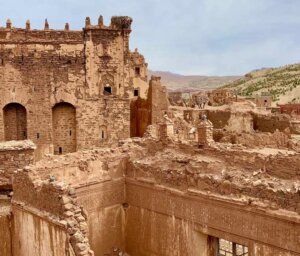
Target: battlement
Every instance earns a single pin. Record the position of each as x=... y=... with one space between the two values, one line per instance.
x=10 y=34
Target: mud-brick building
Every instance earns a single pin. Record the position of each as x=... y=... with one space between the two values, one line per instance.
x=69 y=90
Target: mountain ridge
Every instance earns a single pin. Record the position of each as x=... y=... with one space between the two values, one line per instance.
x=174 y=81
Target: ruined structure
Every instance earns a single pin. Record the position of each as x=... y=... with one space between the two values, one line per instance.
x=76 y=180
x=69 y=90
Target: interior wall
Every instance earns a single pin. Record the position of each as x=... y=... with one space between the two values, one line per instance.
x=5 y=233
x=150 y=233
x=35 y=236
x=103 y=203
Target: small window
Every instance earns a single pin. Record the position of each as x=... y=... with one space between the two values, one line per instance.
x=70 y=132
x=107 y=90
x=60 y=150
x=102 y=135
x=37 y=135
x=137 y=71
x=136 y=92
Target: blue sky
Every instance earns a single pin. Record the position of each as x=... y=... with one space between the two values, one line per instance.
x=201 y=37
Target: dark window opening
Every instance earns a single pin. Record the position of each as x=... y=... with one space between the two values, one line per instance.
x=136 y=92
x=102 y=135
x=37 y=135
x=137 y=71
x=70 y=132
x=24 y=134
x=266 y=101
x=107 y=90
x=60 y=150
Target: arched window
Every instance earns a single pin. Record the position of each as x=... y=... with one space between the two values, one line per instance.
x=64 y=128
x=15 y=122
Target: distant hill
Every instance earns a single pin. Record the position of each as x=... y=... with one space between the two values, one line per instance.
x=282 y=83
x=191 y=83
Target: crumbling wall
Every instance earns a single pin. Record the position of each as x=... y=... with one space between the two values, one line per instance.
x=219 y=118
x=253 y=139
x=152 y=233
x=165 y=222
x=139 y=117
x=158 y=100
x=48 y=211
x=13 y=156
x=271 y=123
x=240 y=122
x=42 y=68
x=35 y=235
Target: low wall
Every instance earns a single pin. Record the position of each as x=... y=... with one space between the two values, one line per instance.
x=14 y=155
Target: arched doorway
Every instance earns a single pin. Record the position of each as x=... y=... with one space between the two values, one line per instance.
x=64 y=128
x=15 y=122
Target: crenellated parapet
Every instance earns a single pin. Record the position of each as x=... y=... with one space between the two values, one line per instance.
x=11 y=34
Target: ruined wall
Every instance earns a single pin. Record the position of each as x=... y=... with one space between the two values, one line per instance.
x=5 y=227
x=103 y=203
x=166 y=222
x=240 y=122
x=271 y=123
x=139 y=118
x=158 y=100
x=218 y=118
x=35 y=235
x=254 y=139
x=13 y=156
x=153 y=233
x=41 y=68
x=47 y=210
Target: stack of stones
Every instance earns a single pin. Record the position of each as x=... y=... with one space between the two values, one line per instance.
x=75 y=219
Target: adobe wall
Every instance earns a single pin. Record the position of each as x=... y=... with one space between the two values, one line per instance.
x=166 y=222
x=158 y=100
x=219 y=118
x=41 y=68
x=14 y=155
x=36 y=235
x=5 y=227
x=271 y=123
x=104 y=205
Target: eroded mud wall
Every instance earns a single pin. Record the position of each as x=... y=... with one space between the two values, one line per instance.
x=35 y=236
x=165 y=222
x=103 y=203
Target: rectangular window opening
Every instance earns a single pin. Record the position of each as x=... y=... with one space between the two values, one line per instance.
x=70 y=132
x=37 y=135
x=60 y=150
x=107 y=90
x=137 y=71
x=136 y=92
x=102 y=135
